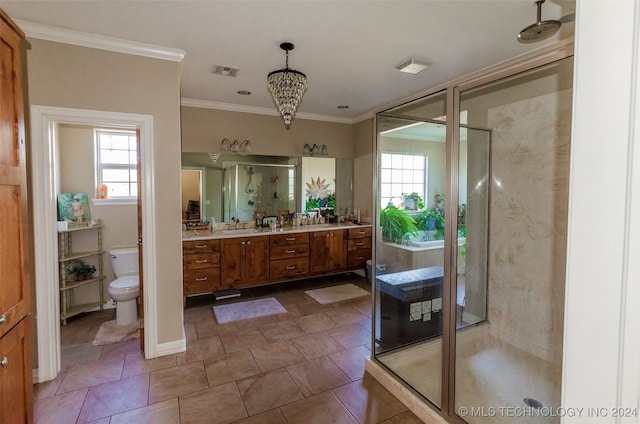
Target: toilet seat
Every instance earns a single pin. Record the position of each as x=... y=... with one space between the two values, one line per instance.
x=126 y=284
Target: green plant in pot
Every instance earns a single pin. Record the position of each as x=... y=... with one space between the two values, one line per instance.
x=431 y=220
x=80 y=270
x=396 y=223
x=413 y=201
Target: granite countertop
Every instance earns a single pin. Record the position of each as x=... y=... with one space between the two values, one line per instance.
x=263 y=231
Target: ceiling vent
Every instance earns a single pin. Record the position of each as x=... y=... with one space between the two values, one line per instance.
x=225 y=71
x=413 y=66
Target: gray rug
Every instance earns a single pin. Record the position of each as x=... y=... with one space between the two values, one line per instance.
x=110 y=333
x=337 y=293
x=249 y=309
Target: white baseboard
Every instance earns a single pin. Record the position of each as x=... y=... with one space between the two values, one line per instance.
x=177 y=346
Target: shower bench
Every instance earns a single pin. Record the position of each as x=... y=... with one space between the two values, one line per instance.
x=410 y=306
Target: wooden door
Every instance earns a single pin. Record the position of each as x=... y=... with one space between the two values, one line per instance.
x=256 y=260
x=232 y=265
x=16 y=390
x=140 y=261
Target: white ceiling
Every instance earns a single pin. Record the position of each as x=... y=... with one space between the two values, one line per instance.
x=348 y=49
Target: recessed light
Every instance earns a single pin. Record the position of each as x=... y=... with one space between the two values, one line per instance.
x=244 y=92
x=343 y=107
x=413 y=66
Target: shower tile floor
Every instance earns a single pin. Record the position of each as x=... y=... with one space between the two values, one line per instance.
x=490 y=373
x=305 y=366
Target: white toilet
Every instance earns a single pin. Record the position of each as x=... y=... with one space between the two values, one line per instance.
x=126 y=287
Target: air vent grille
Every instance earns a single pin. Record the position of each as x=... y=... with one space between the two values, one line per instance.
x=226 y=71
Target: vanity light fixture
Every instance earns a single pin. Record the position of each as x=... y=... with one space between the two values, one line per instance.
x=287 y=86
x=413 y=66
x=236 y=146
x=314 y=150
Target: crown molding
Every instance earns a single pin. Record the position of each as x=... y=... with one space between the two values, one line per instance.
x=207 y=104
x=84 y=39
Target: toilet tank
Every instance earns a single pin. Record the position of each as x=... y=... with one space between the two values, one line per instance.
x=124 y=261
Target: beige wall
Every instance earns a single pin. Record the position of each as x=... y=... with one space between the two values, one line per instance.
x=203 y=130
x=363 y=152
x=69 y=76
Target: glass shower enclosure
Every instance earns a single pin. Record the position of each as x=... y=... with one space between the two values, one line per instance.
x=258 y=187
x=469 y=287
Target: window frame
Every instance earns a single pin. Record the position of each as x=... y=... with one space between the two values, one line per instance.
x=99 y=167
x=384 y=200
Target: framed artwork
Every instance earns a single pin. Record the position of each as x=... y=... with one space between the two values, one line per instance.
x=74 y=208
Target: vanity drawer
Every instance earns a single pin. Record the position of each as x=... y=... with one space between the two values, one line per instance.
x=358 y=258
x=359 y=232
x=200 y=281
x=201 y=260
x=288 y=239
x=200 y=246
x=358 y=243
x=289 y=268
x=289 y=251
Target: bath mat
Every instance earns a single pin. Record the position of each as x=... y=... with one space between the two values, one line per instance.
x=337 y=293
x=249 y=309
x=110 y=333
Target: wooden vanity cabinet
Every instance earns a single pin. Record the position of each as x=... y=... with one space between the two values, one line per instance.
x=200 y=267
x=246 y=261
x=328 y=251
x=289 y=256
x=358 y=247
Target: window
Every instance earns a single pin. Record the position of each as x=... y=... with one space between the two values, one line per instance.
x=116 y=163
x=399 y=174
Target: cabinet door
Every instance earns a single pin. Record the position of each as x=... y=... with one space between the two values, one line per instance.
x=16 y=389
x=14 y=243
x=336 y=251
x=232 y=263
x=256 y=260
x=318 y=252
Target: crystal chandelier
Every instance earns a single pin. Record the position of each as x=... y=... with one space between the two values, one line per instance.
x=287 y=86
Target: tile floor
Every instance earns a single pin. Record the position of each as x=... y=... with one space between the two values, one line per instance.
x=305 y=366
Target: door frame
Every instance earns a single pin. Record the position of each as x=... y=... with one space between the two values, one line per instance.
x=44 y=181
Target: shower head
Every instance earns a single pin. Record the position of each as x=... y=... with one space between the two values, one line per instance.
x=540 y=30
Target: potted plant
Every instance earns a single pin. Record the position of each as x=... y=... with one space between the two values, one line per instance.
x=413 y=201
x=80 y=270
x=431 y=219
x=396 y=223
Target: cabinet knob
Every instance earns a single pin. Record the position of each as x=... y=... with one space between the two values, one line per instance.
x=290 y=239
x=4 y=362
x=200 y=246
x=248 y=242
x=291 y=251
x=202 y=261
x=3 y=319
x=291 y=267
x=202 y=279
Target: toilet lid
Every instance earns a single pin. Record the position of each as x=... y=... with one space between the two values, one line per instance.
x=124 y=283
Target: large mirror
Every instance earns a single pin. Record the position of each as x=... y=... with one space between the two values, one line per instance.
x=235 y=186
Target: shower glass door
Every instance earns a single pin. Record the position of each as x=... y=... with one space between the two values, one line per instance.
x=508 y=354
x=409 y=258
